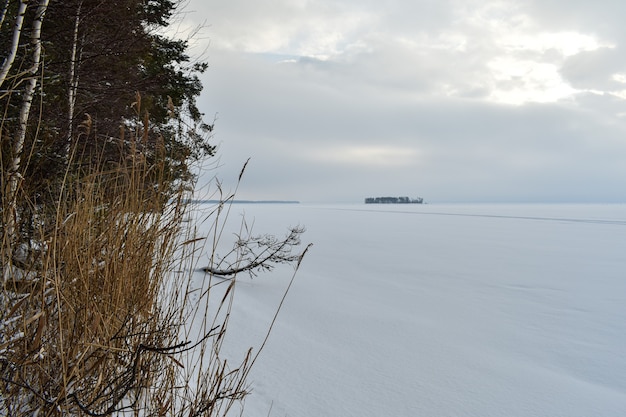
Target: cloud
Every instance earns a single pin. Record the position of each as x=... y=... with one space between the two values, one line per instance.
x=358 y=155
x=601 y=18
x=482 y=101
x=316 y=29
x=600 y=70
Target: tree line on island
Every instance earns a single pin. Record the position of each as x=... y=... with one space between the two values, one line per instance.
x=393 y=200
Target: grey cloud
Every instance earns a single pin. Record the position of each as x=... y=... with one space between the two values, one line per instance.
x=603 y=18
x=595 y=69
x=406 y=18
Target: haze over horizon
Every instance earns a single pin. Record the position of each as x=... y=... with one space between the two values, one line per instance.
x=453 y=101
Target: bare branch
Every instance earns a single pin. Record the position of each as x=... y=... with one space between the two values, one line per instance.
x=258 y=253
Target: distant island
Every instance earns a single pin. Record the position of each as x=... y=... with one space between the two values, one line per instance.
x=393 y=200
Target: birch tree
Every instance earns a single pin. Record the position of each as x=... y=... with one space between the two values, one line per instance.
x=30 y=75
x=73 y=77
x=15 y=37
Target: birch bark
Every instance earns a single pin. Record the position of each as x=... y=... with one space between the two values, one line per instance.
x=5 y=9
x=13 y=169
x=74 y=63
x=15 y=40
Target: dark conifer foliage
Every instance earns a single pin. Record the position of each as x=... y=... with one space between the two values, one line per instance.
x=97 y=54
x=119 y=50
x=107 y=68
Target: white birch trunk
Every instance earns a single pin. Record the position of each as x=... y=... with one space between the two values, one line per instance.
x=5 y=8
x=15 y=40
x=13 y=169
x=74 y=62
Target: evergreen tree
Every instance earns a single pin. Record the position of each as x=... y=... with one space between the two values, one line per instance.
x=106 y=67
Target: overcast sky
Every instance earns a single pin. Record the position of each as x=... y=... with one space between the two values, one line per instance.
x=453 y=101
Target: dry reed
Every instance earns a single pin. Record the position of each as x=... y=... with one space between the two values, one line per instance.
x=99 y=320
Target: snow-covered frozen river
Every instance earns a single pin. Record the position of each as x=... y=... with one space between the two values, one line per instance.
x=440 y=311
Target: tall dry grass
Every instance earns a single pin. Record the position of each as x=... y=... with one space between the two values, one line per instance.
x=104 y=317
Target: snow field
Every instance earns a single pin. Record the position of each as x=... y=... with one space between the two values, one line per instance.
x=439 y=310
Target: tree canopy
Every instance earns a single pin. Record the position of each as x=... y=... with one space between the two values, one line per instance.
x=96 y=56
x=80 y=78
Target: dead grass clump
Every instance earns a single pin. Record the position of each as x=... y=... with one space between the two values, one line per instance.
x=82 y=329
